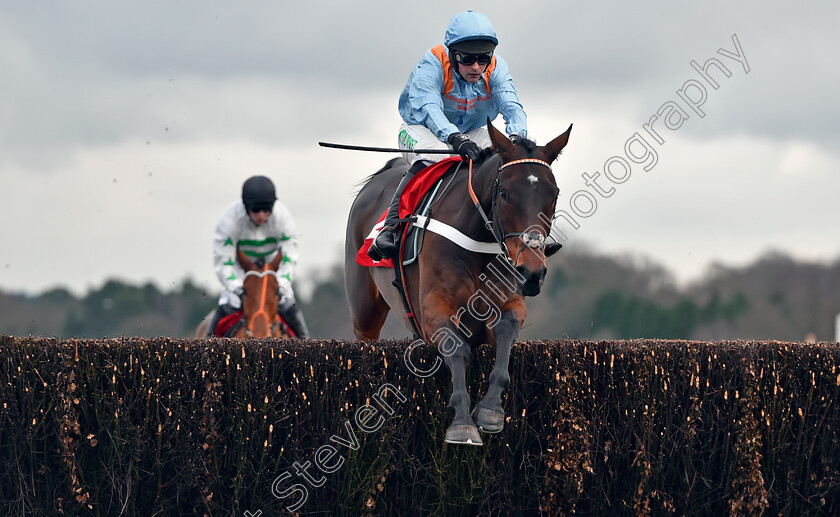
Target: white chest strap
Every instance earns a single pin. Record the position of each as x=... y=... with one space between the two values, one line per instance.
x=452 y=234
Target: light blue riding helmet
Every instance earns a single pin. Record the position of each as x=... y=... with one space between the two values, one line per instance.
x=471 y=33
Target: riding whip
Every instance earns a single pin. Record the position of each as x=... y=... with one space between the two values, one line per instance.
x=387 y=149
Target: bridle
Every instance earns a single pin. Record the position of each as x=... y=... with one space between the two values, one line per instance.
x=273 y=317
x=496 y=228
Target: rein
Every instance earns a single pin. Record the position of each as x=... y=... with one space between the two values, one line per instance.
x=496 y=229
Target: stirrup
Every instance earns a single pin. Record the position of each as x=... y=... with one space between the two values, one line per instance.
x=377 y=253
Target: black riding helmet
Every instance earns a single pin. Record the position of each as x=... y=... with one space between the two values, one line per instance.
x=258 y=192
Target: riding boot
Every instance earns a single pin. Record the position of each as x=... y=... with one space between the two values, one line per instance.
x=386 y=244
x=221 y=312
x=293 y=317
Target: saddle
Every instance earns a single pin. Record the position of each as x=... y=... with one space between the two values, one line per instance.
x=418 y=193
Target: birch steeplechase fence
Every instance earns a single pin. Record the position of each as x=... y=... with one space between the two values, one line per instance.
x=160 y=426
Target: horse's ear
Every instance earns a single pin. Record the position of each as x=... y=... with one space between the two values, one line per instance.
x=275 y=263
x=244 y=261
x=501 y=143
x=553 y=148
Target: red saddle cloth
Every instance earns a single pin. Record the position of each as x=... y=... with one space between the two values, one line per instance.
x=227 y=323
x=411 y=196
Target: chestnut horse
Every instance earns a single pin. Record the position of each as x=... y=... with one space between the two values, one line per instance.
x=259 y=301
x=462 y=298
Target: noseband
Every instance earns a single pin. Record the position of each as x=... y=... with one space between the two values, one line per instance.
x=496 y=229
x=260 y=273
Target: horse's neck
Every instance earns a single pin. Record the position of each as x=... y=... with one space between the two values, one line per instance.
x=466 y=217
x=485 y=175
x=484 y=181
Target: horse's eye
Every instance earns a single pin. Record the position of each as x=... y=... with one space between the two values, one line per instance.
x=504 y=194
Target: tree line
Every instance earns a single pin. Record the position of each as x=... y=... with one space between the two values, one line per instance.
x=587 y=295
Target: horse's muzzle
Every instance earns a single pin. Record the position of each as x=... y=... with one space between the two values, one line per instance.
x=530 y=282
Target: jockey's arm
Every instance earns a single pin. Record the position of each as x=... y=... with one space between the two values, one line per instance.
x=506 y=100
x=424 y=97
x=224 y=254
x=288 y=246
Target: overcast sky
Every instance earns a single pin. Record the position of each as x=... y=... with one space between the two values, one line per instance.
x=127 y=128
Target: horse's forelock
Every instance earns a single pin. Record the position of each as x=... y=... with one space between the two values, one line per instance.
x=524 y=146
x=527 y=144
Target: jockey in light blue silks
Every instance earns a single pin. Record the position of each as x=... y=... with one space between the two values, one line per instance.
x=445 y=105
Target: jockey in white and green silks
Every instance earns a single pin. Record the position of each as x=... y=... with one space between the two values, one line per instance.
x=446 y=102
x=260 y=226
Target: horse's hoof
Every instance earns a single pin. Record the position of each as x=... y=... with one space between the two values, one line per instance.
x=489 y=420
x=463 y=434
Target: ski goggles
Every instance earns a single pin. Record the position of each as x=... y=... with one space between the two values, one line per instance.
x=261 y=208
x=471 y=59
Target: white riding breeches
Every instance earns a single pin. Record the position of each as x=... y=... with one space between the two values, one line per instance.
x=420 y=137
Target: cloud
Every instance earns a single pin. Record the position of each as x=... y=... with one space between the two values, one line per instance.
x=131 y=126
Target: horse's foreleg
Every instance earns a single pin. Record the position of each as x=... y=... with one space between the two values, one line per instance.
x=459 y=401
x=489 y=415
x=462 y=430
x=456 y=354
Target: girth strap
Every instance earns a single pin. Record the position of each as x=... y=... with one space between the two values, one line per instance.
x=452 y=234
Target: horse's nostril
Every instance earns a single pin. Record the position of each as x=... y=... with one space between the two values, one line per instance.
x=525 y=276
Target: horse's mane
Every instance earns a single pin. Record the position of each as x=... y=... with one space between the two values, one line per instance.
x=385 y=167
x=528 y=144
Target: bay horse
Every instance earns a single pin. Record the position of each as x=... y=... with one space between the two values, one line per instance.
x=259 y=301
x=458 y=296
